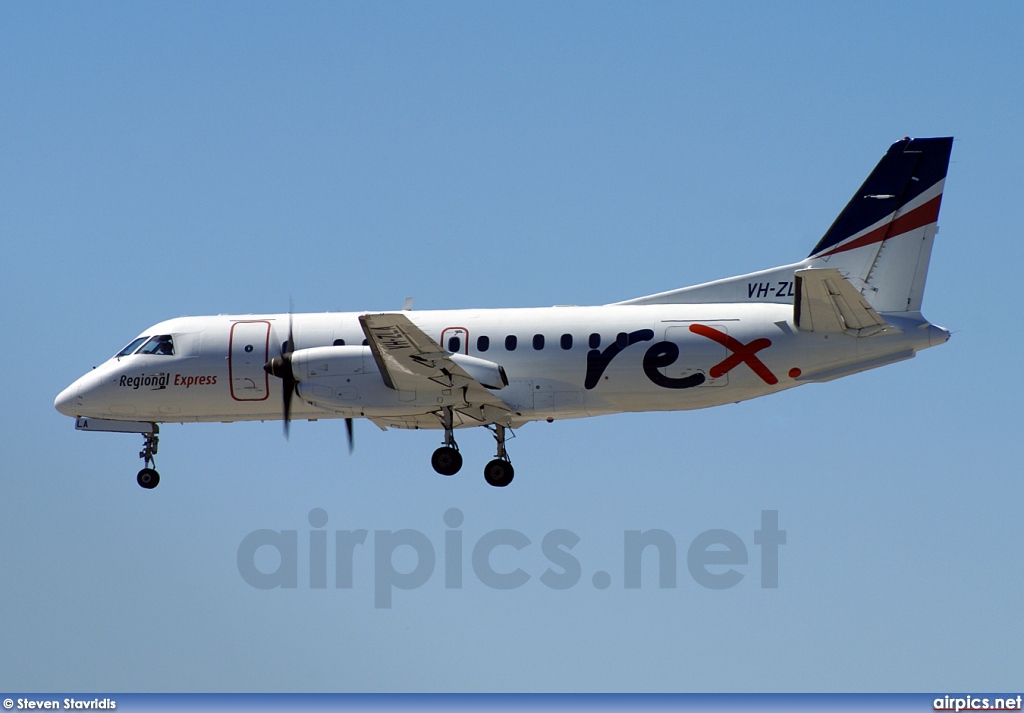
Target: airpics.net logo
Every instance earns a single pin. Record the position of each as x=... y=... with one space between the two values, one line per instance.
x=715 y=559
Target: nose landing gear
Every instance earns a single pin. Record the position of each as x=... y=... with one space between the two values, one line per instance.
x=148 y=478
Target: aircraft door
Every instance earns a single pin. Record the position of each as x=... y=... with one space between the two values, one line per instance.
x=248 y=348
x=455 y=340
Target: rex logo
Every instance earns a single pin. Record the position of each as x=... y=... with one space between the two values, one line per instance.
x=665 y=354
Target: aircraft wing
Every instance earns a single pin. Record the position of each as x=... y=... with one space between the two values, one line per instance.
x=827 y=302
x=409 y=360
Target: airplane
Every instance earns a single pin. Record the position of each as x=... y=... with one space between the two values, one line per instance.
x=853 y=304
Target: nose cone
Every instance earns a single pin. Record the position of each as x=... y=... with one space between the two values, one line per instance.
x=67 y=401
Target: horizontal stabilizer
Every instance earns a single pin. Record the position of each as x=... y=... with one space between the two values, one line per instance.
x=827 y=303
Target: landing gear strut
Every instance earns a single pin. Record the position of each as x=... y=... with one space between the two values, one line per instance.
x=447 y=460
x=148 y=478
x=499 y=472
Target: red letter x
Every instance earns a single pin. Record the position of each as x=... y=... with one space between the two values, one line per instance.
x=740 y=353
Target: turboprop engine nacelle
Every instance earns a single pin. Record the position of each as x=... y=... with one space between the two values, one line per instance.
x=486 y=372
x=324 y=363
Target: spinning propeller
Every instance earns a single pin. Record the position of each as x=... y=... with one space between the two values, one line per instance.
x=281 y=367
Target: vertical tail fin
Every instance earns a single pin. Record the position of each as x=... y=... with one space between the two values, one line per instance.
x=882 y=240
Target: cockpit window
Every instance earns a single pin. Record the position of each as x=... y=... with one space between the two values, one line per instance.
x=130 y=349
x=161 y=345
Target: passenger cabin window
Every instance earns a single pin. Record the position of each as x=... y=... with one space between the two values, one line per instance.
x=510 y=342
x=622 y=340
x=161 y=345
x=339 y=342
x=595 y=340
x=454 y=344
x=130 y=349
x=483 y=343
x=538 y=341
x=566 y=341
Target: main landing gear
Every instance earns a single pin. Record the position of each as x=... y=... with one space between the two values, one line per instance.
x=499 y=472
x=447 y=460
x=148 y=477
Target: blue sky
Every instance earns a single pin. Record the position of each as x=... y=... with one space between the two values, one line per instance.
x=162 y=159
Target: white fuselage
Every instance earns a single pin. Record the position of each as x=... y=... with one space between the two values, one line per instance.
x=567 y=362
x=853 y=304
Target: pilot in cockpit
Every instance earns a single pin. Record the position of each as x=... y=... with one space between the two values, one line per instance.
x=162 y=345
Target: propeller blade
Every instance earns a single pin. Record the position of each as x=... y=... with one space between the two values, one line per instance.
x=351 y=435
x=281 y=367
x=290 y=344
x=289 y=389
x=288 y=377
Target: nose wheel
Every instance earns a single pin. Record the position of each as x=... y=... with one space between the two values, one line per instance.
x=148 y=478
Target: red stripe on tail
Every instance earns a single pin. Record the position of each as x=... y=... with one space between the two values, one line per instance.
x=917 y=218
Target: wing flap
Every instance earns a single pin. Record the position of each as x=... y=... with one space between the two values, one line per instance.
x=409 y=360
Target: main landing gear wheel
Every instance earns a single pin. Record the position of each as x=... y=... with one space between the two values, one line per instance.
x=446 y=460
x=499 y=473
x=148 y=478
